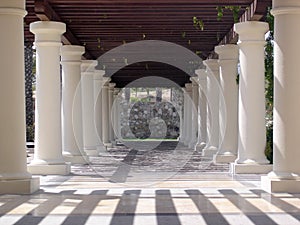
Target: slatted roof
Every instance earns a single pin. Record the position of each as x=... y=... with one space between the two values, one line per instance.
x=101 y=25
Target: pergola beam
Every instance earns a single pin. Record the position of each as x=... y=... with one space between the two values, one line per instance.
x=255 y=12
x=45 y=12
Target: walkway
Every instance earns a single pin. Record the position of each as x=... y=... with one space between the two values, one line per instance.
x=188 y=197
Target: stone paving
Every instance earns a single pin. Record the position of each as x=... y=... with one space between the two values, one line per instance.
x=193 y=195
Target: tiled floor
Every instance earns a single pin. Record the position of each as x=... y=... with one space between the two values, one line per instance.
x=208 y=195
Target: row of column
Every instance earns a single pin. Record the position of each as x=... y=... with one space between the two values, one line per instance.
x=79 y=126
x=285 y=177
x=233 y=130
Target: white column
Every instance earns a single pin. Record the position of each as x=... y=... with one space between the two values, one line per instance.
x=105 y=115
x=213 y=127
x=202 y=110
x=111 y=87
x=182 y=136
x=188 y=112
x=228 y=62
x=286 y=172
x=72 y=136
x=48 y=157
x=116 y=113
x=88 y=107
x=14 y=178
x=99 y=82
x=194 y=109
x=251 y=128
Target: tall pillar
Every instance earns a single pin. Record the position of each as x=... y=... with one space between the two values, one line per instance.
x=251 y=128
x=105 y=115
x=202 y=110
x=228 y=62
x=99 y=82
x=183 y=118
x=213 y=127
x=116 y=113
x=48 y=157
x=188 y=112
x=111 y=87
x=14 y=178
x=194 y=108
x=285 y=176
x=72 y=135
x=88 y=107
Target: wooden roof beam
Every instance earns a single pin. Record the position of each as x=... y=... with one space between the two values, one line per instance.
x=255 y=12
x=45 y=12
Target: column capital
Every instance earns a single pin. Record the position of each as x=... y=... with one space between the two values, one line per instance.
x=194 y=81
x=71 y=53
x=188 y=87
x=88 y=66
x=201 y=73
x=285 y=7
x=47 y=32
x=227 y=52
x=117 y=91
x=99 y=75
x=212 y=64
x=252 y=31
x=111 y=86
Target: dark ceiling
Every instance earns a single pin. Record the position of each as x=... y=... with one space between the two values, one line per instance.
x=101 y=25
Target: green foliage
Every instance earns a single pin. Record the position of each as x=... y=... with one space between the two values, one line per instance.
x=30 y=133
x=235 y=12
x=198 y=23
x=219 y=13
x=269 y=84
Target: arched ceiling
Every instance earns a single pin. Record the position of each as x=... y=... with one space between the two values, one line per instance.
x=101 y=25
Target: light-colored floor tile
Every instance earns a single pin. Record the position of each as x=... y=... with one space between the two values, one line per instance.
x=224 y=205
x=23 y=209
x=145 y=206
x=145 y=219
x=293 y=201
x=238 y=219
x=284 y=219
x=192 y=220
x=99 y=219
x=264 y=205
x=10 y=219
x=106 y=207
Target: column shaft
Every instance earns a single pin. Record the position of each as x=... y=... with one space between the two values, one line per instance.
x=48 y=157
x=202 y=109
x=228 y=60
x=99 y=82
x=14 y=178
x=110 y=112
x=88 y=107
x=188 y=114
x=72 y=105
x=105 y=115
x=213 y=126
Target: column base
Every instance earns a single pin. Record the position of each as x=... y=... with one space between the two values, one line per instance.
x=92 y=152
x=51 y=169
x=101 y=148
x=108 y=145
x=76 y=159
x=26 y=186
x=199 y=147
x=209 y=152
x=224 y=158
x=276 y=185
x=250 y=168
x=192 y=145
